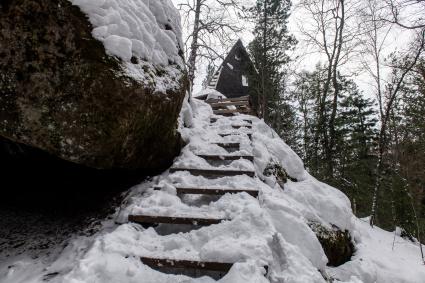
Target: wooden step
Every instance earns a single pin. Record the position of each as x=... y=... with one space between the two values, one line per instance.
x=226 y=157
x=191 y=268
x=214 y=172
x=242 y=98
x=184 y=267
x=149 y=219
x=236 y=134
x=229 y=103
x=231 y=111
x=241 y=126
x=228 y=145
x=213 y=120
x=218 y=191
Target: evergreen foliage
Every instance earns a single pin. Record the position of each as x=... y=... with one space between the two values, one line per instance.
x=269 y=52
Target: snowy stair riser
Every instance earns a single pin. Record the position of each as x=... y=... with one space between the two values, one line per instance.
x=214 y=172
x=236 y=134
x=230 y=111
x=230 y=103
x=242 y=98
x=241 y=126
x=214 y=120
x=213 y=191
x=151 y=219
x=226 y=157
x=192 y=268
x=175 y=263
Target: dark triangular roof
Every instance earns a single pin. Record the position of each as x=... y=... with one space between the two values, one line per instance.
x=231 y=78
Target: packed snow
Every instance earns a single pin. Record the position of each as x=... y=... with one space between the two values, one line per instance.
x=272 y=230
x=145 y=30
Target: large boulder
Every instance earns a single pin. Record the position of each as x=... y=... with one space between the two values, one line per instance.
x=77 y=92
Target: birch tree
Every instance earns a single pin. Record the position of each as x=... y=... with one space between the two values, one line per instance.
x=328 y=32
x=212 y=24
x=401 y=69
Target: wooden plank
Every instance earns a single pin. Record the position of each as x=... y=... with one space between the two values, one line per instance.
x=242 y=98
x=226 y=157
x=228 y=145
x=213 y=120
x=241 y=126
x=219 y=191
x=185 y=264
x=230 y=103
x=182 y=266
x=236 y=134
x=149 y=219
x=214 y=172
x=230 y=111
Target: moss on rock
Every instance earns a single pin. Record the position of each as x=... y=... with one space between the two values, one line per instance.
x=61 y=93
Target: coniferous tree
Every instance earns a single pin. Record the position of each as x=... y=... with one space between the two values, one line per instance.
x=269 y=51
x=355 y=136
x=355 y=158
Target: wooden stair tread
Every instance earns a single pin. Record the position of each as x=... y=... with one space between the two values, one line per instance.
x=192 y=264
x=214 y=172
x=215 y=191
x=241 y=126
x=228 y=144
x=226 y=157
x=150 y=219
x=242 y=98
x=231 y=111
x=235 y=134
x=230 y=103
x=213 y=120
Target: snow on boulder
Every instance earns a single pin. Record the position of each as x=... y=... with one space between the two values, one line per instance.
x=269 y=148
x=146 y=29
x=99 y=83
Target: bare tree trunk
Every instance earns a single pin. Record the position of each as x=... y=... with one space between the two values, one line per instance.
x=263 y=75
x=385 y=118
x=194 y=46
x=338 y=44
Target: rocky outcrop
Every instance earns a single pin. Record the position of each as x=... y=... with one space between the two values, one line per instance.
x=60 y=92
x=336 y=244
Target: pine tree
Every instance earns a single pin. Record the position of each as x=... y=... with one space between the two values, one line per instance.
x=272 y=41
x=355 y=158
x=355 y=136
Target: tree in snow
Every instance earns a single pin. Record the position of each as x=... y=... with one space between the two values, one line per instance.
x=355 y=133
x=391 y=93
x=332 y=34
x=211 y=24
x=269 y=51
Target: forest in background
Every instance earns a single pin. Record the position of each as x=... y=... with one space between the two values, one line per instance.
x=370 y=145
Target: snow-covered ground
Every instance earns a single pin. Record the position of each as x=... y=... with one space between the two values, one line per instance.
x=272 y=230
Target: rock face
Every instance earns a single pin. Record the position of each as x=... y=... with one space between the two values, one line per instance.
x=60 y=92
x=337 y=244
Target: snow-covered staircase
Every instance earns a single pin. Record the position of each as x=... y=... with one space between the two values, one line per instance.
x=230 y=106
x=241 y=130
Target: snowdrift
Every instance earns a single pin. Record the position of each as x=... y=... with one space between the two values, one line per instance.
x=272 y=230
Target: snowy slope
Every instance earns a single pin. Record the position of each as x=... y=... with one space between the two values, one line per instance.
x=271 y=230
x=145 y=30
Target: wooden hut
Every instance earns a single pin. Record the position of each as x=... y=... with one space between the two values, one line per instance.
x=233 y=77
